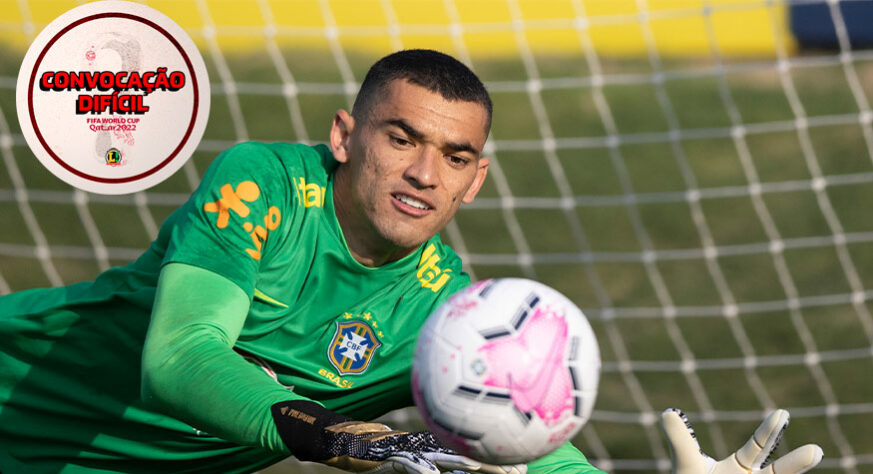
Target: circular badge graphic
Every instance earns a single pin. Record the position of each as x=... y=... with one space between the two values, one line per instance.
x=113 y=97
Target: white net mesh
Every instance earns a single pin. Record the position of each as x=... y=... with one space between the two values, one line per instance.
x=702 y=193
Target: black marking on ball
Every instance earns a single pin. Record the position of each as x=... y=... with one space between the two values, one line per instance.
x=468 y=392
x=574 y=349
x=524 y=310
x=573 y=378
x=495 y=397
x=523 y=416
x=493 y=333
x=483 y=293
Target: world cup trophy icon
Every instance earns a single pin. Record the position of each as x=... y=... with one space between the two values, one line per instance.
x=118 y=52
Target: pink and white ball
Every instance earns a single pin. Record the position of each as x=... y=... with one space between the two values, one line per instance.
x=506 y=371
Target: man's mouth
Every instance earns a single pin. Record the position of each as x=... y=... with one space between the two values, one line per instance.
x=411 y=201
x=411 y=205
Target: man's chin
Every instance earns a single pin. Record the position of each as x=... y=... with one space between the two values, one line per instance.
x=409 y=243
x=407 y=240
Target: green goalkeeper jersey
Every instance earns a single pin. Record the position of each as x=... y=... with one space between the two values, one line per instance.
x=319 y=324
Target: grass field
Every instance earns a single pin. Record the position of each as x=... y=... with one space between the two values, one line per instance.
x=632 y=203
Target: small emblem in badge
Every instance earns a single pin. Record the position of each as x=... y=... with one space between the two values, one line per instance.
x=113 y=157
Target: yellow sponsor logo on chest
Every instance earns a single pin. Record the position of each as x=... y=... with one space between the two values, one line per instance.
x=429 y=273
x=309 y=194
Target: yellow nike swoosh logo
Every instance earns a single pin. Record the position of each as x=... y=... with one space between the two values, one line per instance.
x=267 y=299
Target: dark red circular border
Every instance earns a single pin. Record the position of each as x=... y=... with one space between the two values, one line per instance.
x=160 y=165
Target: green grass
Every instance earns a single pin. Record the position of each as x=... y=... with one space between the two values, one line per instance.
x=663 y=219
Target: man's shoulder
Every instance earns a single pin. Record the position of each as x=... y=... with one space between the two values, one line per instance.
x=315 y=163
x=440 y=268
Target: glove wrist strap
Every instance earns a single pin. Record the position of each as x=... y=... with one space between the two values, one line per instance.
x=301 y=425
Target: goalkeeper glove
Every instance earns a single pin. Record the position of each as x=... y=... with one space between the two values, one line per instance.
x=750 y=459
x=448 y=462
x=313 y=433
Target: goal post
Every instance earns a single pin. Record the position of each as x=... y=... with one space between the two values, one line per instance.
x=694 y=174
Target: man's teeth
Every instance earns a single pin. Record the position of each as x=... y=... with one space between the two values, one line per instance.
x=412 y=201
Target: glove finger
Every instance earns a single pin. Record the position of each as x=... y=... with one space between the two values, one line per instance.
x=411 y=464
x=798 y=461
x=766 y=439
x=404 y=463
x=682 y=441
x=387 y=467
x=456 y=462
x=492 y=469
x=449 y=462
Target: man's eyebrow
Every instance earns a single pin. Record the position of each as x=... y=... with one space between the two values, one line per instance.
x=466 y=146
x=418 y=135
x=409 y=129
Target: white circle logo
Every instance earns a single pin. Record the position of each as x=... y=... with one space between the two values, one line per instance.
x=113 y=97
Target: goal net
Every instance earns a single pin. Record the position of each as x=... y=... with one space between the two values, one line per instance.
x=696 y=175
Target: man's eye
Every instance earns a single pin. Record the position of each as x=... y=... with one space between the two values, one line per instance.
x=457 y=160
x=400 y=141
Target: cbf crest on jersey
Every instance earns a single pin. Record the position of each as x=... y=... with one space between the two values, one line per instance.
x=352 y=347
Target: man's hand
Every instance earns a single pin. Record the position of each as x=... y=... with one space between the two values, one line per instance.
x=313 y=433
x=447 y=462
x=689 y=459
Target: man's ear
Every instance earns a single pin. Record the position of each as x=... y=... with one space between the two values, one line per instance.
x=340 y=134
x=481 y=173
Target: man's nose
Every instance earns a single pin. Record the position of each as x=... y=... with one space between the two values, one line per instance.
x=423 y=171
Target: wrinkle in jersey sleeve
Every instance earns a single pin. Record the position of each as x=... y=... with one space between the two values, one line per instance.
x=189 y=369
x=236 y=217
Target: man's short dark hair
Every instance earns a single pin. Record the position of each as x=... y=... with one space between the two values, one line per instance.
x=435 y=71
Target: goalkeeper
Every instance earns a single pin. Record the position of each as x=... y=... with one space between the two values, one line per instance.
x=277 y=307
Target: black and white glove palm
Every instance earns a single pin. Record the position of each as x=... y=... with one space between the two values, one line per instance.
x=446 y=462
x=313 y=433
x=750 y=459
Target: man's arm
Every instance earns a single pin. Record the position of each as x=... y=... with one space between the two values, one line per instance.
x=189 y=369
x=190 y=372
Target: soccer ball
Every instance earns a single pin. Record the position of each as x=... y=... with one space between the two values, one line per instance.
x=506 y=371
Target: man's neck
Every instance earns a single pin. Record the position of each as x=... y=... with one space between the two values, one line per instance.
x=360 y=236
